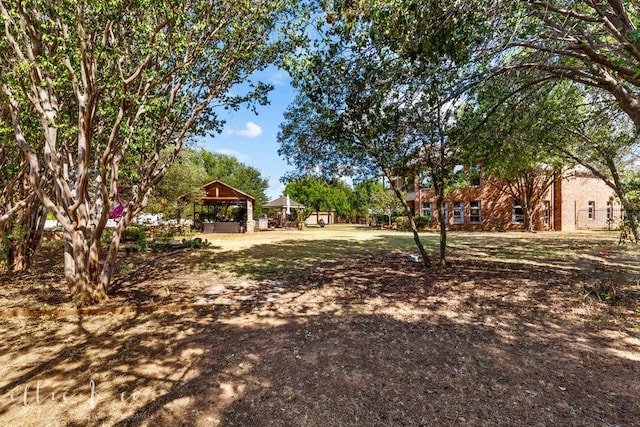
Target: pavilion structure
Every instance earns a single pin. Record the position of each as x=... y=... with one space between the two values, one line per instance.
x=223 y=209
x=285 y=211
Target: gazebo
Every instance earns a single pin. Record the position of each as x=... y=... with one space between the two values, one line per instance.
x=284 y=206
x=223 y=209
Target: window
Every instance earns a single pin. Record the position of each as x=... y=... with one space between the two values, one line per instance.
x=426 y=181
x=546 y=205
x=459 y=178
x=474 y=175
x=609 y=211
x=517 y=213
x=592 y=210
x=475 y=214
x=427 y=210
x=458 y=212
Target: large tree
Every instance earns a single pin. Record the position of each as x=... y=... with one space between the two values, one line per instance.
x=592 y=132
x=595 y=43
x=380 y=94
x=508 y=139
x=319 y=194
x=113 y=84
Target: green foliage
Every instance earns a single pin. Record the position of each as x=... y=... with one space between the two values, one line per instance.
x=422 y=222
x=135 y=234
x=385 y=202
x=318 y=194
x=182 y=183
x=361 y=196
x=196 y=243
x=115 y=90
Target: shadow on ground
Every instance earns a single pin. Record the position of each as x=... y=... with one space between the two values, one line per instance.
x=215 y=367
x=348 y=333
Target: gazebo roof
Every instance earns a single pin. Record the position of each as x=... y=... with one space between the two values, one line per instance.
x=281 y=202
x=218 y=191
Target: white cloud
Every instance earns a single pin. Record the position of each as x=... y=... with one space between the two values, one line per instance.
x=279 y=78
x=251 y=130
x=241 y=157
x=276 y=188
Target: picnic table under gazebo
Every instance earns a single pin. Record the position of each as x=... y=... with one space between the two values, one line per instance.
x=223 y=209
x=284 y=208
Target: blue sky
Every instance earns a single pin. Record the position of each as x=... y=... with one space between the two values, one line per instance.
x=251 y=138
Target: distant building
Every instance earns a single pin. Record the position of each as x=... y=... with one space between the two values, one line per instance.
x=575 y=200
x=320 y=217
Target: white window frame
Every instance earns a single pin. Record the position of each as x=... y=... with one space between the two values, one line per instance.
x=427 y=209
x=477 y=208
x=546 y=212
x=517 y=218
x=458 y=212
x=591 y=210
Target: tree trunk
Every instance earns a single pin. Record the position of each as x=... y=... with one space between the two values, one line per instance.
x=528 y=211
x=84 y=289
x=23 y=236
x=631 y=217
x=416 y=236
x=443 y=229
x=109 y=263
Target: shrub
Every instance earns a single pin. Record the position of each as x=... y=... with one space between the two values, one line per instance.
x=402 y=222
x=135 y=234
x=196 y=243
x=422 y=222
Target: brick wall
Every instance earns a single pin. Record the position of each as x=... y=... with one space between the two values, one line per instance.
x=568 y=198
x=577 y=190
x=496 y=206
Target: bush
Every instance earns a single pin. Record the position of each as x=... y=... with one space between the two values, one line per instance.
x=402 y=223
x=196 y=243
x=422 y=222
x=135 y=234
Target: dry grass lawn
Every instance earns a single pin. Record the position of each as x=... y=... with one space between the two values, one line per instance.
x=335 y=327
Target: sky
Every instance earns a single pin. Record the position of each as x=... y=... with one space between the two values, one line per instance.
x=252 y=139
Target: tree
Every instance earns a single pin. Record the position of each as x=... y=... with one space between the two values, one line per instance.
x=528 y=132
x=110 y=86
x=385 y=202
x=360 y=137
x=380 y=93
x=593 y=43
x=22 y=216
x=181 y=185
x=235 y=173
x=593 y=133
x=362 y=194
x=318 y=195
x=510 y=143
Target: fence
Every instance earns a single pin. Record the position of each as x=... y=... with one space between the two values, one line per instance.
x=600 y=219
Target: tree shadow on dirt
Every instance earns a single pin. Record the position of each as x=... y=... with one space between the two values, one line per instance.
x=215 y=367
x=352 y=334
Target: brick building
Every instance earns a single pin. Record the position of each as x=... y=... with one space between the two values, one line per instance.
x=575 y=200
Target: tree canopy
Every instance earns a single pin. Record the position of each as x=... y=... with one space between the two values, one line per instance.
x=317 y=194
x=98 y=90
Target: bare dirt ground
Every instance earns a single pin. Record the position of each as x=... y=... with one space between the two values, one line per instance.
x=335 y=327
